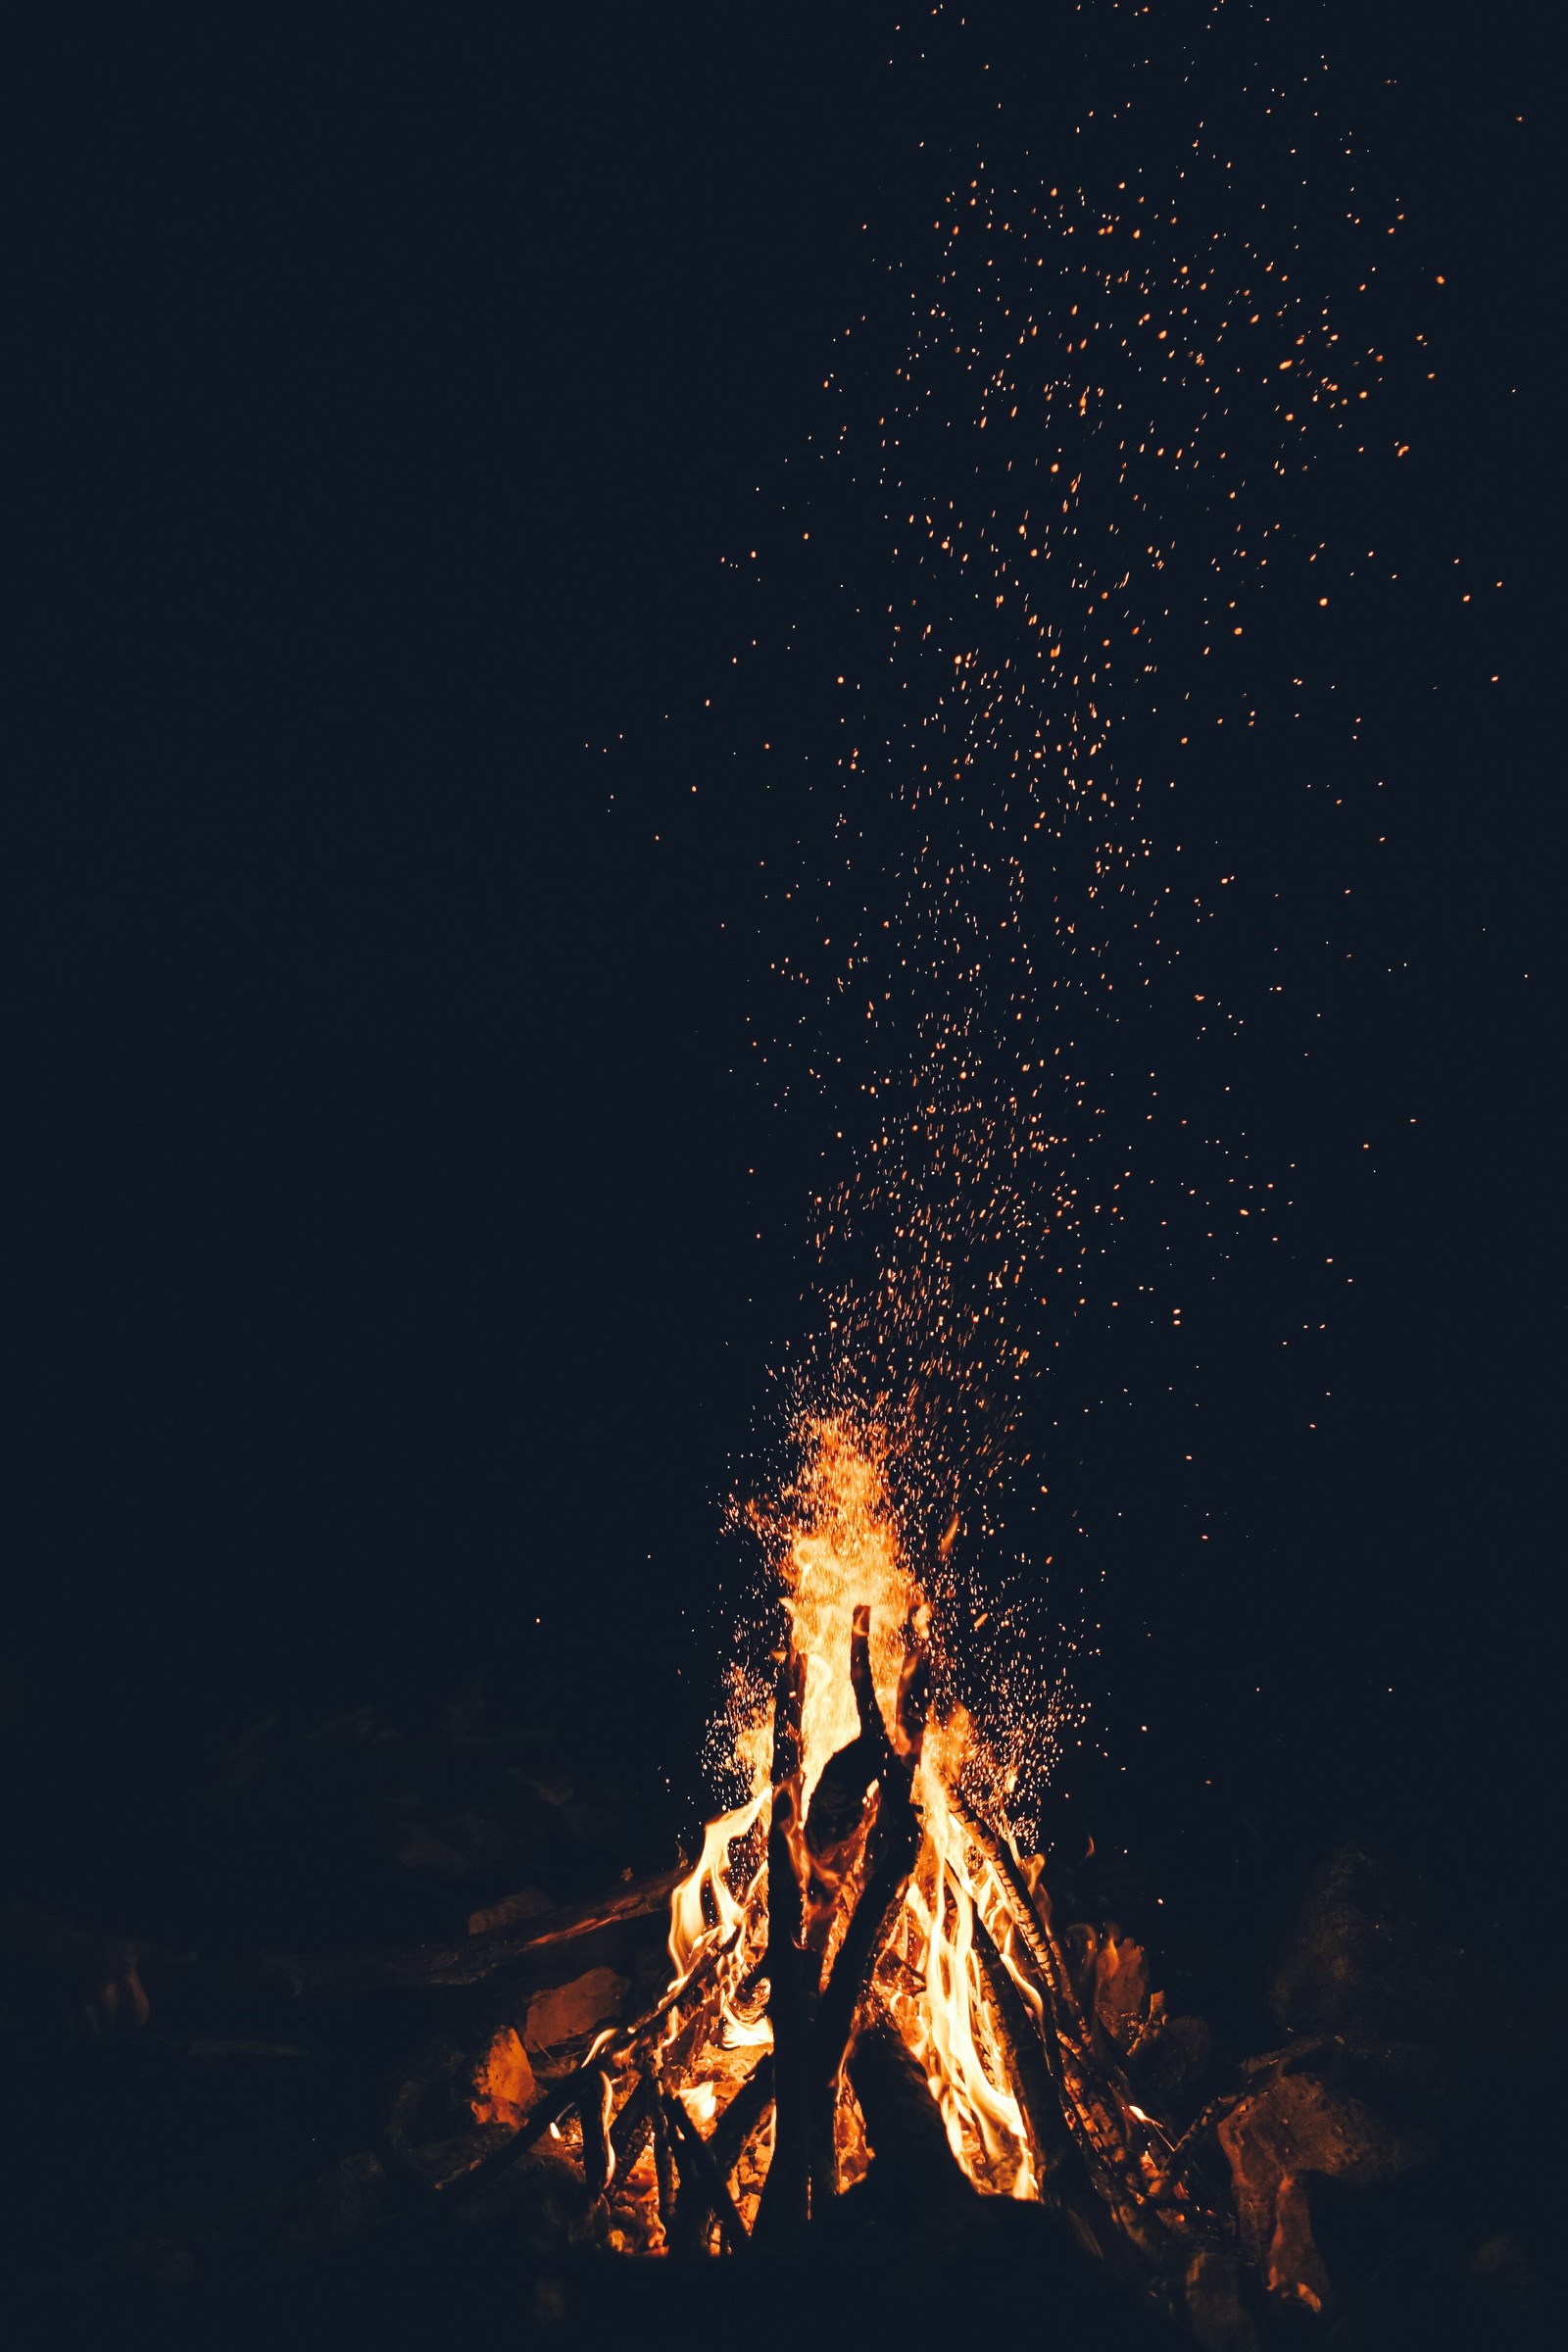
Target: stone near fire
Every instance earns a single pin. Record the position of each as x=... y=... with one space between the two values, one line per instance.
x=1292 y=2128
x=1218 y=2318
x=1369 y=1954
x=579 y=2007
x=529 y=1902
x=504 y=2088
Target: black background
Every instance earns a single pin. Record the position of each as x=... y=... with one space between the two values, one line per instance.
x=385 y=1299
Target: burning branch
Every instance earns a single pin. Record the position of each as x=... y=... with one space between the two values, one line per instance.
x=696 y=2159
x=741 y=2118
x=785 y=2195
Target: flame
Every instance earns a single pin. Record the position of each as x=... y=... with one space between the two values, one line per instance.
x=838 y=1547
x=844 y=1553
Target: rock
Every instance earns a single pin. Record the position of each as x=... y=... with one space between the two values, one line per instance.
x=1123 y=2005
x=1174 y=2061
x=529 y=1902
x=504 y=2087
x=1292 y=2268
x=1369 y=1955
x=1216 y=2312
x=460 y=1843
x=579 y=2007
x=1292 y=2127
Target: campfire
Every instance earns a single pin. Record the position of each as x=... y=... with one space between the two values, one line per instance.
x=863 y=1963
x=869 y=2037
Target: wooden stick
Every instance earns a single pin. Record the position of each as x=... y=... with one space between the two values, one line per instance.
x=1094 y=2108
x=696 y=2159
x=894 y=1848
x=1027 y=2054
x=597 y=2161
x=433 y=1967
x=663 y=2168
x=897 y=1832
x=1039 y=1941
x=568 y=2094
x=694 y=2213
x=631 y=2130
x=785 y=2193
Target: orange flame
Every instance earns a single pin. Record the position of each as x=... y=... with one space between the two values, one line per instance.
x=839 y=1548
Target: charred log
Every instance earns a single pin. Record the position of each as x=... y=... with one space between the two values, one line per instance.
x=785 y=2194
x=663 y=2166
x=439 y=1966
x=912 y=2160
x=1038 y=1939
x=693 y=2211
x=894 y=1847
x=1028 y=2059
x=596 y=2113
x=697 y=2167
x=632 y=2128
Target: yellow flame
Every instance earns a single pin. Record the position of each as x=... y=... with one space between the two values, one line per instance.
x=839 y=1549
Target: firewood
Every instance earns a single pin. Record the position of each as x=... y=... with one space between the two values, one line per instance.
x=1095 y=2102
x=907 y=2137
x=1028 y=2059
x=695 y=2159
x=595 y=2114
x=897 y=1832
x=872 y=1727
x=694 y=2213
x=1038 y=1939
x=631 y=2130
x=785 y=2193
x=437 y=1967
x=569 y=2093
x=663 y=2166
x=894 y=1850
x=745 y=2112
x=1047 y=2103
x=915 y=1693
x=839 y=1799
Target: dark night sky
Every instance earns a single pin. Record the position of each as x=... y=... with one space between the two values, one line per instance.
x=381 y=1269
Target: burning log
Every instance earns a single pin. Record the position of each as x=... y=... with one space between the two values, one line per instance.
x=746 y=2111
x=697 y=2165
x=786 y=2193
x=1096 y=2104
x=663 y=2166
x=894 y=1848
x=598 y=2161
x=1038 y=1940
x=908 y=2137
x=571 y=2093
x=838 y=1809
x=632 y=2128
x=1027 y=2057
